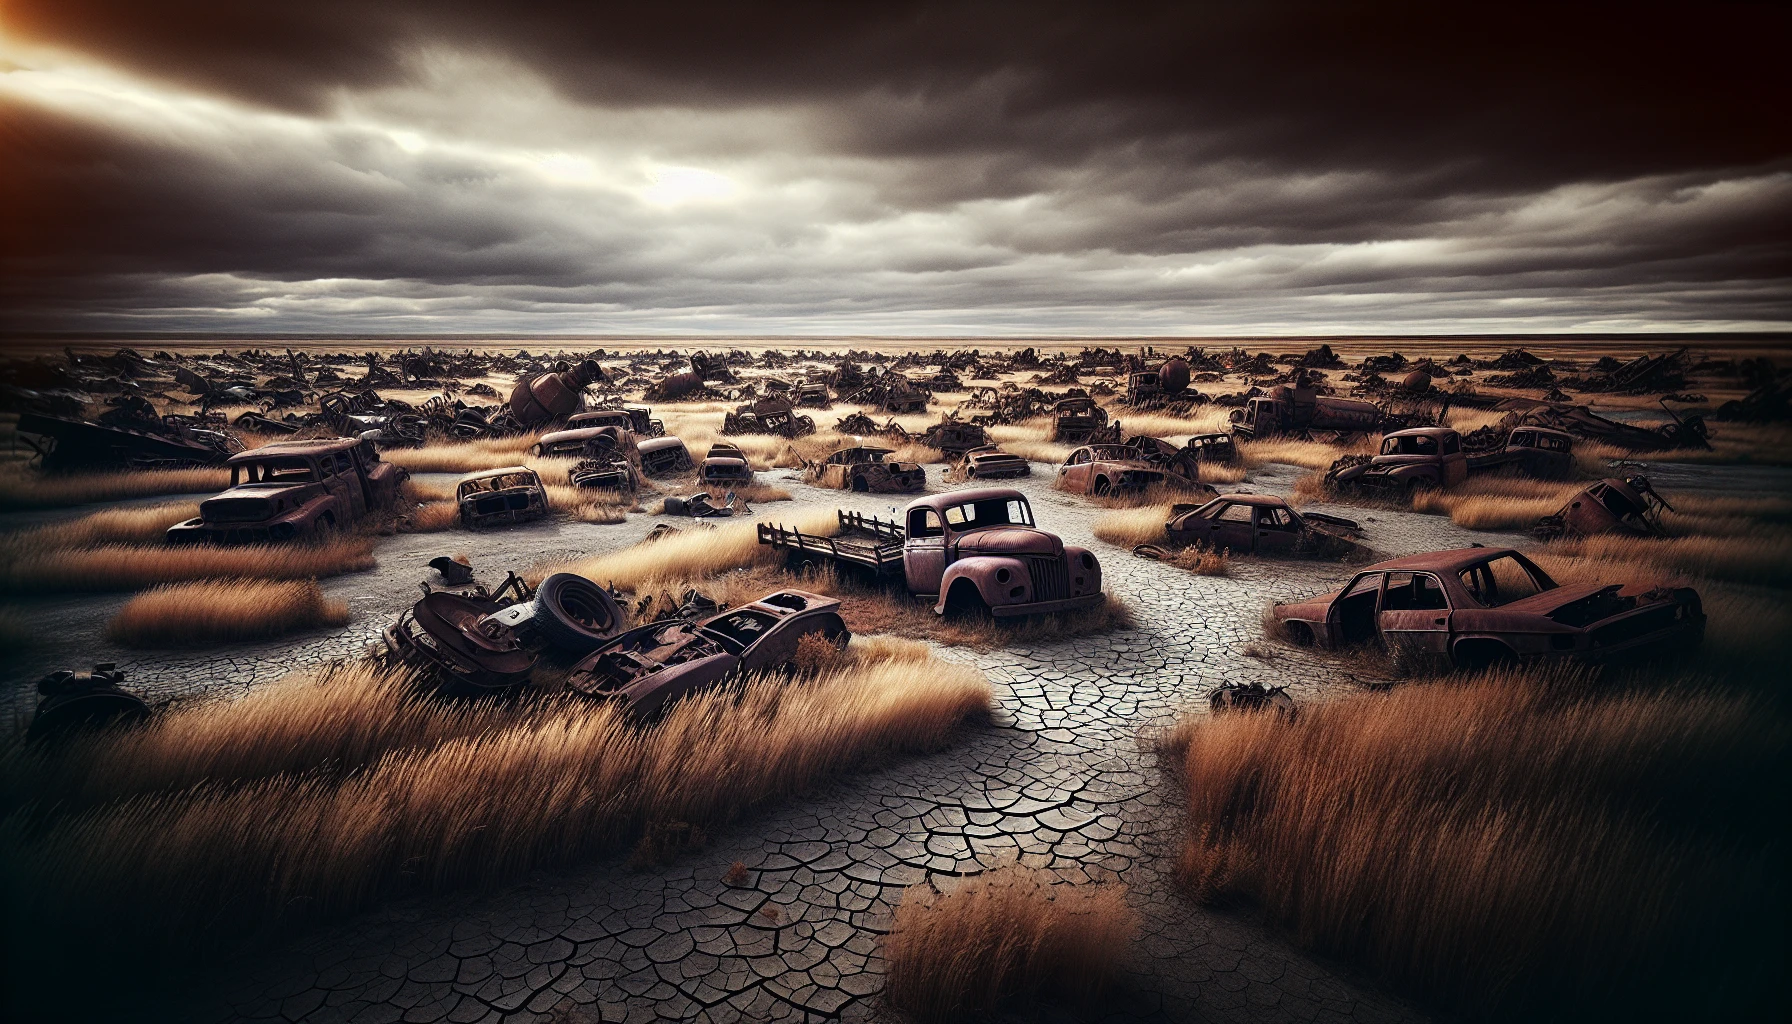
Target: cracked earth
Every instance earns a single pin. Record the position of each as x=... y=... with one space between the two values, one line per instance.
x=1064 y=779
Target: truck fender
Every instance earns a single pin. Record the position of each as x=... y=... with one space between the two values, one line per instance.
x=1417 y=472
x=982 y=571
x=306 y=515
x=1085 y=570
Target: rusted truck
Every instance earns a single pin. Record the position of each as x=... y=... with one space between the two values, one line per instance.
x=724 y=466
x=1289 y=410
x=1425 y=458
x=974 y=551
x=290 y=490
x=1477 y=606
x=543 y=398
x=1081 y=421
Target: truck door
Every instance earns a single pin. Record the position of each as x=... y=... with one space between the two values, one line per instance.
x=1415 y=616
x=924 y=552
x=1455 y=467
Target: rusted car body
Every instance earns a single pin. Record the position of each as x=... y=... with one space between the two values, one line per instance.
x=605 y=473
x=768 y=416
x=546 y=397
x=473 y=642
x=954 y=437
x=499 y=497
x=663 y=456
x=649 y=667
x=865 y=468
x=1181 y=466
x=1102 y=469
x=1262 y=524
x=989 y=462
x=724 y=466
x=1081 y=421
x=1627 y=506
x=289 y=490
x=1410 y=460
x=587 y=442
x=1478 y=606
x=973 y=551
x=1215 y=448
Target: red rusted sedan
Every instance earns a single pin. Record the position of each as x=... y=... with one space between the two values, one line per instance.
x=1478 y=606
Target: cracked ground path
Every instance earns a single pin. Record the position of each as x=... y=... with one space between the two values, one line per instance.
x=1064 y=779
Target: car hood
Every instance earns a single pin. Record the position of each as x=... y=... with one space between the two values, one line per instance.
x=1009 y=540
x=261 y=491
x=725 y=462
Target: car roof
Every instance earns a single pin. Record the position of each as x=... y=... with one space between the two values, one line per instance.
x=968 y=494
x=1421 y=432
x=1260 y=500
x=488 y=473
x=576 y=433
x=316 y=446
x=1443 y=561
x=654 y=444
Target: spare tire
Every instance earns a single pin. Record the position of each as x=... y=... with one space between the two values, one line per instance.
x=574 y=615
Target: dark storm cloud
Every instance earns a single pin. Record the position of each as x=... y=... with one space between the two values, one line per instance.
x=904 y=167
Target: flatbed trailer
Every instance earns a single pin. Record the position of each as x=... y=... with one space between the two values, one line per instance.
x=865 y=542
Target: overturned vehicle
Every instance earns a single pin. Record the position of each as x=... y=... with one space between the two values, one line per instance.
x=989 y=462
x=1475 y=607
x=471 y=642
x=647 y=668
x=1259 y=524
x=291 y=490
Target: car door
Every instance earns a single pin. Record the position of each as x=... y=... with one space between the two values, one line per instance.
x=1415 y=616
x=1075 y=471
x=1276 y=531
x=1233 y=526
x=1455 y=467
x=924 y=552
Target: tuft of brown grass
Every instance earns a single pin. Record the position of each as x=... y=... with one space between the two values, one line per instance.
x=355 y=798
x=696 y=553
x=147 y=524
x=434 y=516
x=1203 y=560
x=1308 y=454
x=467 y=456
x=1498 y=502
x=31 y=490
x=124 y=567
x=1007 y=936
x=1134 y=526
x=222 y=611
x=1514 y=845
x=1765 y=558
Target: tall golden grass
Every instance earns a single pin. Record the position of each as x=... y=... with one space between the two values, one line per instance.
x=1133 y=526
x=222 y=611
x=1498 y=502
x=296 y=836
x=125 y=567
x=1509 y=847
x=697 y=553
x=1007 y=936
x=464 y=456
x=1307 y=454
x=27 y=489
x=1764 y=558
x=145 y=524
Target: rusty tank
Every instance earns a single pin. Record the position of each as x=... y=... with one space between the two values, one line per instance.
x=546 y=397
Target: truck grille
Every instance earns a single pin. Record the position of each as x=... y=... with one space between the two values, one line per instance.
x=1051 y=580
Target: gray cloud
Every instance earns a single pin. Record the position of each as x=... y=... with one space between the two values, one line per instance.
x=913 y=170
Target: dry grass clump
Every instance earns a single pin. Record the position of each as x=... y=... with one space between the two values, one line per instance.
x=696 y=553
x=589 y=505
x=434 y=516
x=1512 y=846
x=274 y=835
x=464 y=456
x=146 y=524
x=222 y=611
x=1007 y=936
x=752 y=492
x=1202 y=560
x=1207 y=419
x=1498 y=502
x=1761 y=559
x=1308 y=454
x=1218 y=473
x=30 y=490
x=123 y=567
x=1133 y=526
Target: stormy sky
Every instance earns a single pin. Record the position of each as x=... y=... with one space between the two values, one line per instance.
x=957 y=169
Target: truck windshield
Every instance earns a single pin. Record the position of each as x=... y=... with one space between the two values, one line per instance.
x=975 y=515
x=278 y=471
x=1420 y=445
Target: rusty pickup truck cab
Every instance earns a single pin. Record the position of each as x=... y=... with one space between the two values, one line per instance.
x=1435 y=457
x=290 y=490
x=973 y=551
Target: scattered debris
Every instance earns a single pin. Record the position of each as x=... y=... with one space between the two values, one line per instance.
x=1251 y=696
x=75 y=702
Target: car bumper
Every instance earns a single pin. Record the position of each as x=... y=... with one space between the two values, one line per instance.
x=1065 y=604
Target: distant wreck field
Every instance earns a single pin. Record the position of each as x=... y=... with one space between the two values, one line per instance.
x=899 y=678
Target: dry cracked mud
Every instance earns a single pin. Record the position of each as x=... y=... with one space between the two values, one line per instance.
x=1065 y=779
